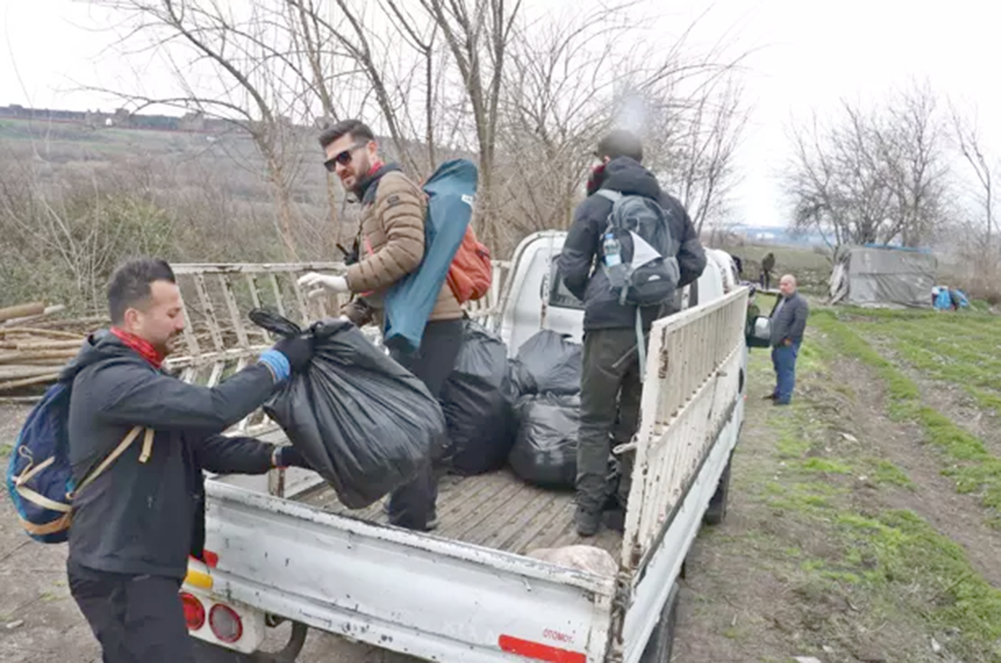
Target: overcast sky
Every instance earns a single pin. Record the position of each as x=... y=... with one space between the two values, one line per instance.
x=807 y=55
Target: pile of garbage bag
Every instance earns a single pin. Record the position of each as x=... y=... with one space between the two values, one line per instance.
x=546 y=373
x=478 y=401
x=545 y=451
x=547 y=363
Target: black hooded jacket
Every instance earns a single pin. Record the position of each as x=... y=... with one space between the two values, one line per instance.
x=582 y=248
x=145 y=518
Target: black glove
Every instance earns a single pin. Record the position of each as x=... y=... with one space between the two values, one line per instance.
x=289 y=456
x=297 y=349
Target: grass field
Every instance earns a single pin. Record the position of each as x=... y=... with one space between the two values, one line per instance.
x=867 y=514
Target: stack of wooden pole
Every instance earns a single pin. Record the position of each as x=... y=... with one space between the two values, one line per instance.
x=34 y=349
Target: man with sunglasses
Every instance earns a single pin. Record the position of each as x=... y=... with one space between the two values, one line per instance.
x=390 y=245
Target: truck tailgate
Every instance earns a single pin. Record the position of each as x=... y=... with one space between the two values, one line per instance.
x=413 y=593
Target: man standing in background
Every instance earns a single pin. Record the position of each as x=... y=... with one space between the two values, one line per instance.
x=788 y=321
x=767 y=265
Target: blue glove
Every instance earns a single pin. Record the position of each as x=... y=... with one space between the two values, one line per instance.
x=288 y=355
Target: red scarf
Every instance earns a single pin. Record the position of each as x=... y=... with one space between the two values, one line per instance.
x=140 y=345
x=375 y=168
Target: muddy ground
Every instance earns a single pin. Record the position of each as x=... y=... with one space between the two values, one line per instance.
x=814 y=558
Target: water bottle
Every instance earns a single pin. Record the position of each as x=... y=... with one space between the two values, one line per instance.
x=612 y=249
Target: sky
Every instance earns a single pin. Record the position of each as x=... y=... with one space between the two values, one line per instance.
x=804 y=57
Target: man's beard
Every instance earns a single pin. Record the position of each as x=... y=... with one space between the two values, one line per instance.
x=171 y=346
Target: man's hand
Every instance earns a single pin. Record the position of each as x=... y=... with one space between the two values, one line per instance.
x=297 y=349
x=288 y=456
x=787 y=342
x=322 y=283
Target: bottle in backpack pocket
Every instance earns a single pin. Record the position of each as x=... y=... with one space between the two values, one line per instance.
x=612 y=248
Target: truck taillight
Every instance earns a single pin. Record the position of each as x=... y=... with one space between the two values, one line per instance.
x=194 y=611
x=225 y=623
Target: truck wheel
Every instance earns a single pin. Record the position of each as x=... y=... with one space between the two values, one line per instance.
x=716 y=512
x=661 y=642
x=206 y=652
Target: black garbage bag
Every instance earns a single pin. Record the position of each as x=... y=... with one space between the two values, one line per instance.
x=545 y=451
x=547 y=363
x=479 y=404
x=363 y=422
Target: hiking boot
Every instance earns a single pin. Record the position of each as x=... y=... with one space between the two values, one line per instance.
x=587 y=521
x=615 y=519
x=770 y=397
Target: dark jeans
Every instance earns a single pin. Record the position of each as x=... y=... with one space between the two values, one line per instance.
x=137 y=619
x=784 y=361
x=413 y=504
x=610 y=393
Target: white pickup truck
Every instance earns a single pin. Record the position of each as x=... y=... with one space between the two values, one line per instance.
x=284 y=550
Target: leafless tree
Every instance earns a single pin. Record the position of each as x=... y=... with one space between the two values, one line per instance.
x=478 y=34
x=968 y=141
x=872 y=175
x=699 y=138
x=559 y=99
x=913 y=139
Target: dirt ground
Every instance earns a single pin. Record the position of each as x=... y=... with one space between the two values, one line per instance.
x=784 y=576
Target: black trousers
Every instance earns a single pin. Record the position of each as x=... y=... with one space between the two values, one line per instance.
x=413 y=505
x=610 y=394
x=137 y=619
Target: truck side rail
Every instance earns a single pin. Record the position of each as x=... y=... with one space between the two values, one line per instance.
x=219 y=338
x=691 y=394
x=685 y=399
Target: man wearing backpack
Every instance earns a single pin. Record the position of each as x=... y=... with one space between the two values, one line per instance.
x=610 y=380
x=390 y=245
x=136 y=523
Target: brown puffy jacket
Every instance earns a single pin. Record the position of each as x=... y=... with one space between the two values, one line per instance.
x=391 y=245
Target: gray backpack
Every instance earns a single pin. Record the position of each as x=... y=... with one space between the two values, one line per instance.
x=644 y=269
x=648 y=272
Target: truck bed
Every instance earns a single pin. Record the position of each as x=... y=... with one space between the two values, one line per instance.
x=496 y=510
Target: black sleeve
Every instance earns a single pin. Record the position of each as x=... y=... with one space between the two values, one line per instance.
x=137 y=395
x=579 y=249
x=691 y=255
x=798 y=325
x=233 y=455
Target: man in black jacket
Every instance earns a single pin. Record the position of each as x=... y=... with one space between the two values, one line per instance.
x=788 y=322
x=135 y=525
x=610 y=381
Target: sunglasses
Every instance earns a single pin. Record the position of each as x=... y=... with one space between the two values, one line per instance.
x=343 y=158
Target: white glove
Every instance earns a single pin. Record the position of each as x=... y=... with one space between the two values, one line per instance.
x=324 y=284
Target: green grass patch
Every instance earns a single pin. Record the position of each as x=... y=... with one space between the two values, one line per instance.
x=893 y=561
x=963 y=349
x=976 y=470
x=886 y=472
x=904 y=550
x=826 y=466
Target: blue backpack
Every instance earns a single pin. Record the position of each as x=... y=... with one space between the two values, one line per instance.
x=39 y=476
